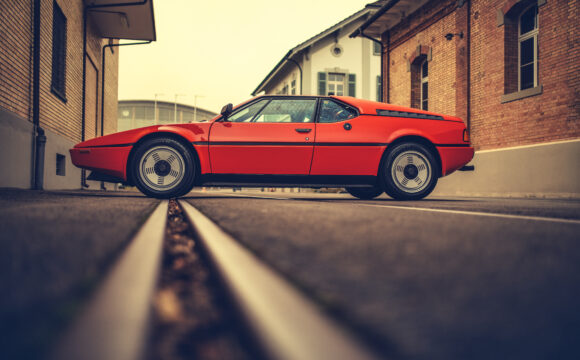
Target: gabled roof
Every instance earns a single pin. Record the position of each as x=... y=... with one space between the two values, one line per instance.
x=304 y=45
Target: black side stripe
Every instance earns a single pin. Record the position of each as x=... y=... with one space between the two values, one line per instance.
x=263 y=143
x=105 y=146
x=452 y=145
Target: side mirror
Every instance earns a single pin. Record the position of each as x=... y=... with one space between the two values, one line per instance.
x=226 y=111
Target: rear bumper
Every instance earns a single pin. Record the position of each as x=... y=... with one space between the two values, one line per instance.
x=106 y=160
x=454 y=157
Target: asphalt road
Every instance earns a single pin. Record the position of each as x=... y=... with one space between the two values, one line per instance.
x=54 y=248
x=433 y=279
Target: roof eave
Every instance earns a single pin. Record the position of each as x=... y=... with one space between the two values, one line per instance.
x=123 y=19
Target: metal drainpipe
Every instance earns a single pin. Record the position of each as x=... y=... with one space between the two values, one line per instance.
x=299 y=68
x=382 y=61
x=38 y=133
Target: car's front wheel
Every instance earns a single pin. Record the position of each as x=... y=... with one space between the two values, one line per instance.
x=409 y=172
x=365 y=193
x=163 y=168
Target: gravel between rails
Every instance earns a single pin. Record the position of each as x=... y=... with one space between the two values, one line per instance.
x=192 y=318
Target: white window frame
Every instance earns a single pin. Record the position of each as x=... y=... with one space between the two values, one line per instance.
x=421 y=82
x=335 y=83
x=521 y=38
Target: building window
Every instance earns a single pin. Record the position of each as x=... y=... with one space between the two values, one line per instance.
x=335 y=84
x=528 y=49
x=420 y=82
x=58 y=84
x=293 y=87
x=521 y=29
x=424 y=85
x=376 y=48
x=379 y=89
x=60 y=165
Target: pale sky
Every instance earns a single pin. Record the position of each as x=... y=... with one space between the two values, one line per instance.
x=221 y=50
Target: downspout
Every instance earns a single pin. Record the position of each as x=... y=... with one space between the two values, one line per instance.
x=103 y=57
x=299 y=68
x=388 y=82
x=38 y=133
x=468 y=55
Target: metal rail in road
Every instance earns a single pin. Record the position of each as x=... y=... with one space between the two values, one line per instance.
x=286 y=323
x=114 y=324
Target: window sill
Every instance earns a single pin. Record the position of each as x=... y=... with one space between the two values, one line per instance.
x=58 y=94
x=521 y=94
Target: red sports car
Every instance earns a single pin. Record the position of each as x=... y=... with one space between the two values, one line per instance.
x=364 y=146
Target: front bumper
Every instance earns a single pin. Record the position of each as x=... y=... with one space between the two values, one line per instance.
x=109 y=160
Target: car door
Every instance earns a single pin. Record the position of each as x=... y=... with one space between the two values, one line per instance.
x=272 y=136
x=346 y=143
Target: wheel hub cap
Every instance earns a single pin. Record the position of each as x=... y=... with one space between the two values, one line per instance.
x=411 y=171
x=162 y=168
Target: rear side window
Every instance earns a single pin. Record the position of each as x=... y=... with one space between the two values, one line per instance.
x=247 y=114
x=288 y=111
x=331 y=111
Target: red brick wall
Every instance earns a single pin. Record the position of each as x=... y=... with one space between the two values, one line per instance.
x=550 y=116
x=420 y=30
x=61 y=117
x=16 y=57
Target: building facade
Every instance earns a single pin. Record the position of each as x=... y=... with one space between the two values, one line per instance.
x=55 y=89
x=134 y=114
x=509 y=68
x=330 y=63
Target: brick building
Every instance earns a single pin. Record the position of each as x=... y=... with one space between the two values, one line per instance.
x=509 y=68
x=55 y=84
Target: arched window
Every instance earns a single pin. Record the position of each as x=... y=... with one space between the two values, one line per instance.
x=528 y=48
x=521 y=28
x=424 y=85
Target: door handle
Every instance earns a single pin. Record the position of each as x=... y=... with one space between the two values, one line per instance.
x=303 y=131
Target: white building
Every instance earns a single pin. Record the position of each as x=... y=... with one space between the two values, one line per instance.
x=330 y=63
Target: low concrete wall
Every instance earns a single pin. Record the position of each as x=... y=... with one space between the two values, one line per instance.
x=544 y=170
x=15 y=151
x=57 y=144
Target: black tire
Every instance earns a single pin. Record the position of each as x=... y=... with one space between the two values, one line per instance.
x=163 y=168
x=409 y=172
x=365 y=193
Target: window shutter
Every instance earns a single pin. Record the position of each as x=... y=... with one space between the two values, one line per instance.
x=352 y=85
x=321 y=83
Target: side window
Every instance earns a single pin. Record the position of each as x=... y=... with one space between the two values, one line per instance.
x=247 y=114
x=288 y=111
x=331 y=111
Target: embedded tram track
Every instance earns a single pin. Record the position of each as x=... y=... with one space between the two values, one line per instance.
x=183 y=288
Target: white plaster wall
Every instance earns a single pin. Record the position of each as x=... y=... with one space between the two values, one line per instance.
x=544 y=170
x=320 y=59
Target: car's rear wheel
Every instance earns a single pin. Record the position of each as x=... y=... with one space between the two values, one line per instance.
x=365 y=193
x=163 y=168
x=409 y=172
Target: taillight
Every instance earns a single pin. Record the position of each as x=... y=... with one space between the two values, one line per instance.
x=465 y=135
